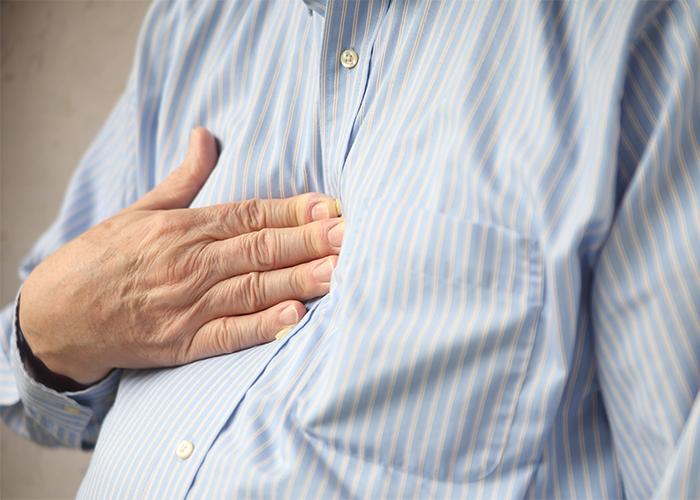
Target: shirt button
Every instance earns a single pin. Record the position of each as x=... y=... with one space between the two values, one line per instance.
x=349 y=58
x=71 y=409
x=184 y=449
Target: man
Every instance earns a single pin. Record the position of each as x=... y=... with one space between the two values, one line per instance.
x=514 y=309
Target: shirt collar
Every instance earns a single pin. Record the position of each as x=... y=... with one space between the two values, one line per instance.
x=318 y=6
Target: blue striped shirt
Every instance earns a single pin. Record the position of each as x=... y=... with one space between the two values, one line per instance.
x=516 y=307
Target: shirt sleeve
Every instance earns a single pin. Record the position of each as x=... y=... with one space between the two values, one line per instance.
x=103 y=183
x=646 y=292
x=43 y=415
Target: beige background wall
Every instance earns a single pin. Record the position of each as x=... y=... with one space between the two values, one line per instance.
x=63 y=67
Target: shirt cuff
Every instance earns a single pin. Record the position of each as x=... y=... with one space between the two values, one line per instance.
x=72 y=417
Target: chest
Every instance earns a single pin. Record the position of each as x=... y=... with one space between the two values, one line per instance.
x=431 y=116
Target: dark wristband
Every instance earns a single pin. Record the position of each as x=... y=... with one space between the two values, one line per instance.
x=39 y=371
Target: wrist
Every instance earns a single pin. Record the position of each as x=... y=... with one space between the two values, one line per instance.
x=37 y=369
x=41 y=373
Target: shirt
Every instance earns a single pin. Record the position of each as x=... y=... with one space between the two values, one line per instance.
x=515 y=310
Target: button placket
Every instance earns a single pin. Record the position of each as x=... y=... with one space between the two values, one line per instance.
x=349 y=34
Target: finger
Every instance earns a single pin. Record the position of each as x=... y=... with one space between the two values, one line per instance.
x=232 y=219
x=235 y=333
x=254 y=292
x=180 y=188
x=274 y=248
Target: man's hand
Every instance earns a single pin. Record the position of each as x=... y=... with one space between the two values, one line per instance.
x=160 y=284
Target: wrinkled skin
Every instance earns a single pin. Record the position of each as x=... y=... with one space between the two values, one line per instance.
x=160 y=284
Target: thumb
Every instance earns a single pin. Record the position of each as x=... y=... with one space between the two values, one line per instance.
x=180 y=188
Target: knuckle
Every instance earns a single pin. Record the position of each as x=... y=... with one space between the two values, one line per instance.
x=262 y=249
x=308 y=239
x=160 y=225
x=317 y=239
x=259 y=334
x=234 y=337
x=202 y=266
x=227 y=338
x=190 y=268
x=256 y=333
x=301 y=206
x=251 y=291
x=253 y=214
x=201 y=218
x=302 y=280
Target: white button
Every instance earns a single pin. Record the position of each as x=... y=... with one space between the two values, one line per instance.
x=349 y=58
x=184 y=449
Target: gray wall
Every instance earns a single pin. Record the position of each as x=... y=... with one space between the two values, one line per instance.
x=64 y=65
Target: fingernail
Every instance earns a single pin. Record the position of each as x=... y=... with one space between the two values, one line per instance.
x=289 y=316
x=323 y=271
x=284 y=332
x=320 y=211
x=335 y=235
x=338 y=210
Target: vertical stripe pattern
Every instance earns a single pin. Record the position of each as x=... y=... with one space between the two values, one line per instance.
x=515 y=311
